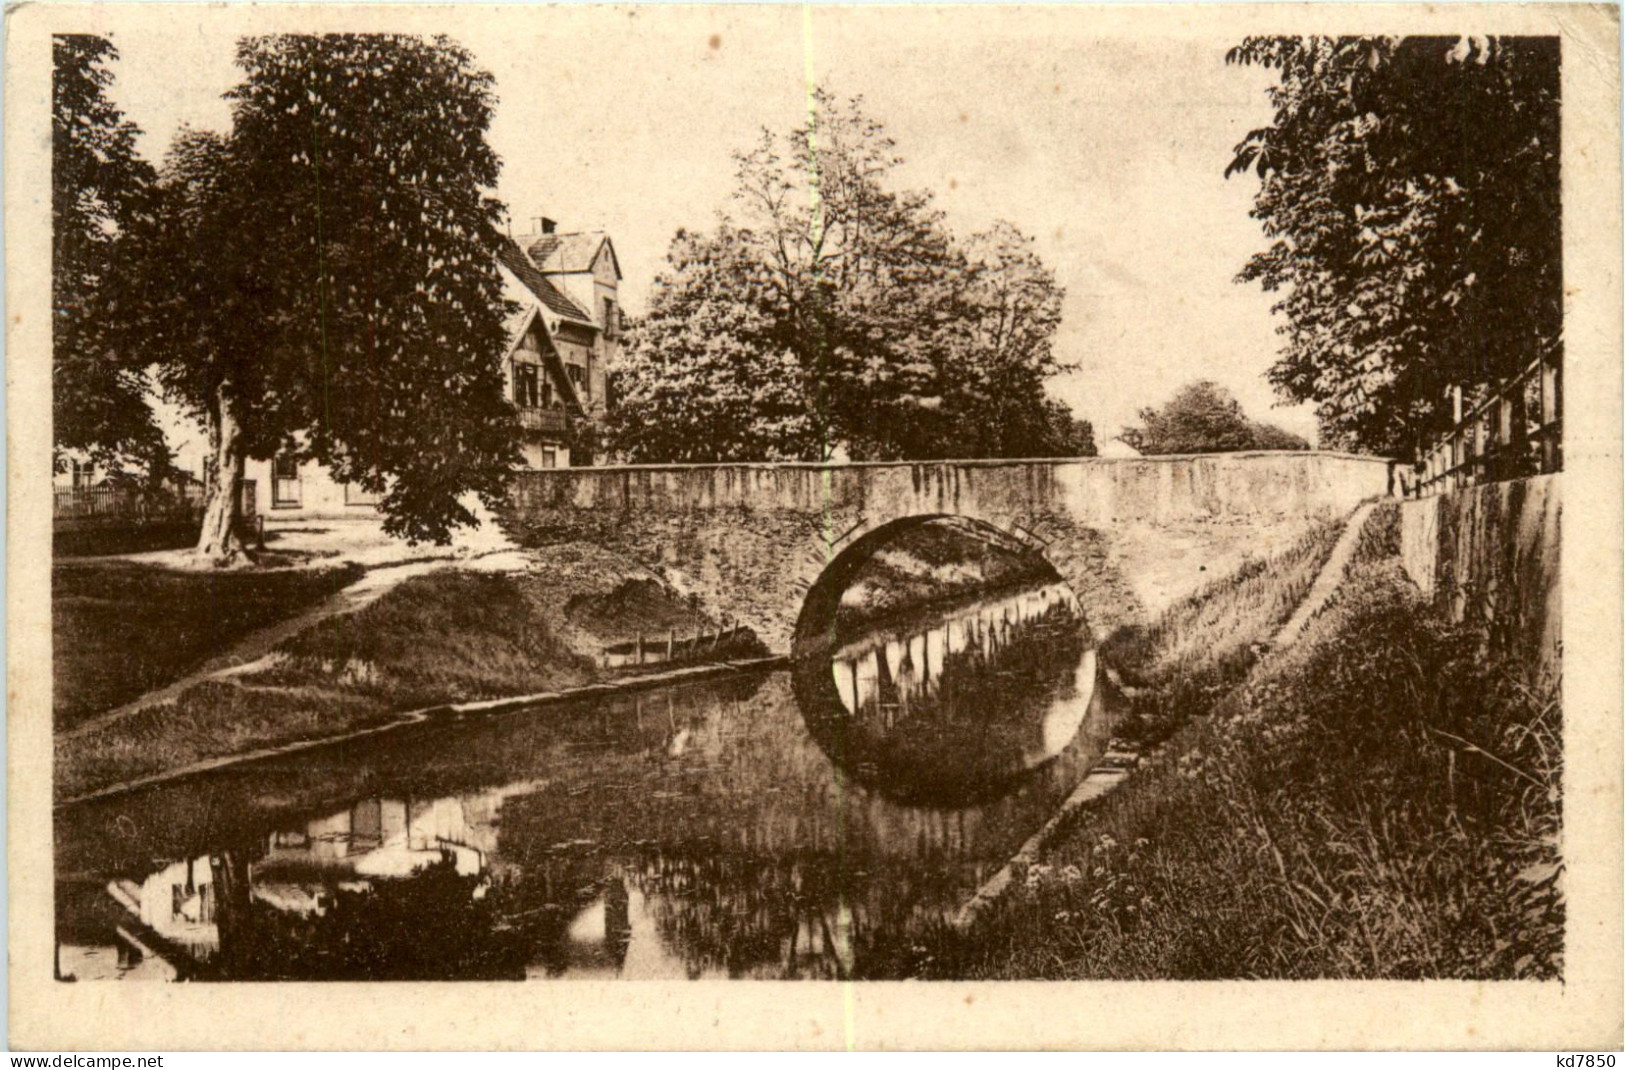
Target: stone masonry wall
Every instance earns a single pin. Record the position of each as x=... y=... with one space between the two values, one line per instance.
x=749 y=540
x=1090 y=490
x=1493 y=554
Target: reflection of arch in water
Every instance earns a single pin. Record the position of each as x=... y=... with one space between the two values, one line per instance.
x=967 y=746
x=882 y=705
x=906 y=660
x=815 y=630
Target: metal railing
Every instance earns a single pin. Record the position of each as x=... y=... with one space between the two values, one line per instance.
x=1516 y=431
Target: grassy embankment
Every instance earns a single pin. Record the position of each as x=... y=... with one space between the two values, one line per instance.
x=447 y=636
x=1380 y=801
x=1205 y=645
x=120 y=630
x=124 y=539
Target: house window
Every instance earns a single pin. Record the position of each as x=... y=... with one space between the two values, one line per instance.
x=578 y=380
x=356 y=494
x=550 y=457
x=285 y=489
x=612 y=318
x=526 y=388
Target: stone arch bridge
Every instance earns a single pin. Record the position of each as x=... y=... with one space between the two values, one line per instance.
x=749 y=540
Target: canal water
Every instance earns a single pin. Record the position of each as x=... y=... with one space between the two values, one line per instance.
x=779 y=825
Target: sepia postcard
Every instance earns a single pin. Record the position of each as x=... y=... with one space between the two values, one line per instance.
x=649 y=526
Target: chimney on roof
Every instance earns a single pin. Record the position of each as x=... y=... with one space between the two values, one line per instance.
x=543 y=224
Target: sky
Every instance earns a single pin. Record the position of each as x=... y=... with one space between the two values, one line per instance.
x=1108 y=150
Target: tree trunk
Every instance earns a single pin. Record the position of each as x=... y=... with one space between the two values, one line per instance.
x=218 y=543
x=233 y=909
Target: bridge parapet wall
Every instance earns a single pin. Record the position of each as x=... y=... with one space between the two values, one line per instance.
x=1099 y=491
x=749 y=540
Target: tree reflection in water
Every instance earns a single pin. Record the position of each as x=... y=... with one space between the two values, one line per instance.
x=434 y=926
x=795 y=916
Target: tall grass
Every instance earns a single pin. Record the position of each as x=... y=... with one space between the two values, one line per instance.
x=1204 y=645
x=214 y=718
x=1380 y=801
x=122 y=629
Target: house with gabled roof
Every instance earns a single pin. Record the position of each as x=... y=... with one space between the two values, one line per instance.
x=561 y=342
x=582 y=268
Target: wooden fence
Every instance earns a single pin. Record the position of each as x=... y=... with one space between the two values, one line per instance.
x=1517 y=431
x=109 y=504
x=649 y=650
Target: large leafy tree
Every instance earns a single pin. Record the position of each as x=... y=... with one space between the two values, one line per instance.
x=706 y=378
x=1204 y=417
x=1069 y=436
x=98 y=183
x=999 y=354
x=831 y=310
x=1409 y=189
x=858 y=274
x=321 y=279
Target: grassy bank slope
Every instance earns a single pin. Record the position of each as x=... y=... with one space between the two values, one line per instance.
x=448 y=636
x=1375 y=802
x=1204 y=645
x=120 y=630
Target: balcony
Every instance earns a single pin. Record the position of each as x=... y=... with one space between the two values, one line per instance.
x=552 y=420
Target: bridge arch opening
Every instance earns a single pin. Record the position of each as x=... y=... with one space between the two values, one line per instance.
x=817 y=624
x=938 y=659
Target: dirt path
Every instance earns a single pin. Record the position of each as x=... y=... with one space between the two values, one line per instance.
x=247 y=652
x=1327 y=582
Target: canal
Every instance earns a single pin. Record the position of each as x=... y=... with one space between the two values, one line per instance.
x=781 y=824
